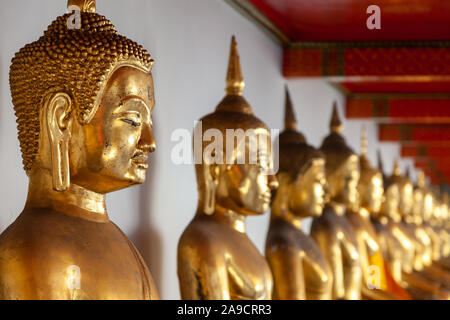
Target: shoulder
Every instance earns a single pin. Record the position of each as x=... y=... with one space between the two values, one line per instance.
x=201 y=236
x=18 y=236
x=17 y=254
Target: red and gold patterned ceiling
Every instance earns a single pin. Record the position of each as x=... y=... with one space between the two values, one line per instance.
x=345 y=20
x=398 y=75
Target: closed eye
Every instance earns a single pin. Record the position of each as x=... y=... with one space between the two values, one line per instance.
x=131 y=122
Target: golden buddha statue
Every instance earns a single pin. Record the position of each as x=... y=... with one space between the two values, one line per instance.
x=299 y=268
x=216 y=259
x=423 y=215
x=421 y=241
x=378 y=282
x=438 y=219
x=331 y=230
x=395 y=212
x=396 y=246
x=84 y=100
x=427 y=207
x=434 y=225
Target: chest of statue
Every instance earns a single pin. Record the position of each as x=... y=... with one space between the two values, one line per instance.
x=337 y=226
x=64 y=257
x=249 y=274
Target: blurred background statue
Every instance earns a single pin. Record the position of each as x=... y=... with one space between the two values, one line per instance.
x=216 y=259
x=299 y=268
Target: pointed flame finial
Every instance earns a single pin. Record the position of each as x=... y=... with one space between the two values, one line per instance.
x=363 y=140
x=335 y=123
x=84 y=5
x=235 y=80
x=396 y=171
x=380 y=161
x=421 y=179
x=289 y=116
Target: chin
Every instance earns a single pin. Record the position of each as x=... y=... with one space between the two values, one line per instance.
x=260 y=209
x=140 y=179
x=137 y=175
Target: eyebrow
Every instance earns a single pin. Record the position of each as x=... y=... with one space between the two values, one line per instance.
x=134 y=97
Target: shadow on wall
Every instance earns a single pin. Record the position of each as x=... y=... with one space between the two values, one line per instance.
x=146 y=238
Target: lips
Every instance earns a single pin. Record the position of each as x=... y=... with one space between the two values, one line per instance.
x=141 y=159
x=266 y=196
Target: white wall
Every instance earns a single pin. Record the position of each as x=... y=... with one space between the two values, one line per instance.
x=189 y=41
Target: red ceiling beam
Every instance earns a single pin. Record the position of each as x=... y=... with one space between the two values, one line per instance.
x=414 y=133
x=436 y=176
x=397 y=87
x=397 y=62
x=442 y=163
x=438 y=163
x=424 y=151
x=345 y=20
x=400 y=109
x=440 y=167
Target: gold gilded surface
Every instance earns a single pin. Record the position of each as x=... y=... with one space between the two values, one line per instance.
x=84 y=101
x=216 y=259
x=84 y=5
x=396 y=246
x=429 y=207
x=438 y=221
x=332 y=231
x=299 y=268
x=412 y=221
x=415 y=245
x=371 y=192
x=424 y=227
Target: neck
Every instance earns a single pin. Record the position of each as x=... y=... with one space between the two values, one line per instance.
x=76 y=201
x=230 y=218
x=289 y=217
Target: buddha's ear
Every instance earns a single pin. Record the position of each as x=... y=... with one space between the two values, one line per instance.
x=211 y=175
x=298 y=179
x=59 y=127
x=280 y=196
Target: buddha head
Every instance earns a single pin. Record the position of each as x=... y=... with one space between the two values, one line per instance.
x=371 y=181
x=391 y=202
x=418 y=196
x=405 y=188
x=84 y=98
x=443 y=217
x=234 y=171
x=437 y=208
x=341 y=164
x=423 y=201
x=432 y=204
x=301 y=173
x=389 y=207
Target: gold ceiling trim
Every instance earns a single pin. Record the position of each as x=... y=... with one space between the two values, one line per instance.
x=249 y=11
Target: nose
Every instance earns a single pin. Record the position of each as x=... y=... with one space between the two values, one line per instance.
x=273 y=182
x=147 y=141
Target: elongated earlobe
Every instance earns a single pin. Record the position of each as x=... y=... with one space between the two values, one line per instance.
x=59 y=126
x=211 y=173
